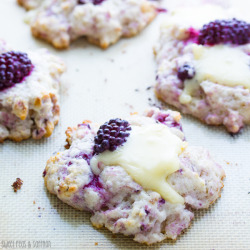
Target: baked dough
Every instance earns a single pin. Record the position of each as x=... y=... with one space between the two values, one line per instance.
x=31 y=108
x=119 y=203
x=62 y=21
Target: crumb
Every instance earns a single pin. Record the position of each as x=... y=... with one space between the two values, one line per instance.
x=17 y=184
x=44 y=173
x=96 y=243
x=136 y=90
x=34 y=202
x=124 y=51
x=150 y=87
x=39 y=208
x=152 y=103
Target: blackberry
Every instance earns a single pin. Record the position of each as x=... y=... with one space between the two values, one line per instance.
x=111 y=135
x=14 y=66
x=186 y=71
x=95 y=2
x=225 y=31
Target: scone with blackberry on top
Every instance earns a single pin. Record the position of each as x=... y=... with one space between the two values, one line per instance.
x=203 y=58
x=103 y=22
x=138 y=177
x=29 y=93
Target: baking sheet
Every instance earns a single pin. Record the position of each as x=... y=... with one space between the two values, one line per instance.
x=97 y=86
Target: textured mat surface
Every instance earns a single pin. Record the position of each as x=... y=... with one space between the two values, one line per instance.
x=100 y=85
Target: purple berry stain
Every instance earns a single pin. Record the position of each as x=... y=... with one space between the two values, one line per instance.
x=94 y=183
x=169 y=121
x=14 y=67
x=86 y=157
x=162 y=201
x=192 y=35
x=111 y=135
x=232 y=31
x=161 y=10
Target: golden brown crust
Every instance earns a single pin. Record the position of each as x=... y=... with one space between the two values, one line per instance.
x=51 y=160
x=222 y=185
x=21 y=110
x=97 y=42
x=17 y=138
x=23 y=4
x=20 y=2
x=49 y=129
x=94 y=41
x=69 y=132
x=38 y=102
x=64 y=43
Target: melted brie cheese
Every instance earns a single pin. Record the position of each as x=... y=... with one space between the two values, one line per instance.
x=149 y=156
x=221 y=64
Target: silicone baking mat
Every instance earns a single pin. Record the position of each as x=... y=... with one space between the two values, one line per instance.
x=97 y=86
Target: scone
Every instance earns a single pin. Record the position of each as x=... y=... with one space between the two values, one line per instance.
x=29 y=93
x=103 y=22
x=138 y=177
x=30 y=4
x=203 y=58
